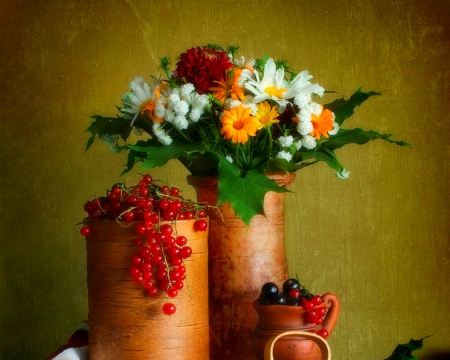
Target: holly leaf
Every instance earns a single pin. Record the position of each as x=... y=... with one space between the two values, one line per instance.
x=404 y=351
x=158 y=155
x=343 y=109
x=357 y=136
x=245 y=193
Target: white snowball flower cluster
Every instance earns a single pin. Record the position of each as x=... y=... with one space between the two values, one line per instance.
x=177 y=106
x=286 y=141
x=247 y=103
x=185 y=104
x=161 y=134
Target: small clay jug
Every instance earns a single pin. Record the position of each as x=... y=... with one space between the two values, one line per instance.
x=321 y=343
x=274 y=320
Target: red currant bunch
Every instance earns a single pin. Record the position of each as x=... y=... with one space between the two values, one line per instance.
x=158 y=265
x=295 y=294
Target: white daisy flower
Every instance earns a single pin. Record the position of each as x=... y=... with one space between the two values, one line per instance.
x=273 y=85
x=135 y=100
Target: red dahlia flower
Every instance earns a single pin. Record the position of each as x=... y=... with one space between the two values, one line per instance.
x=202 y=66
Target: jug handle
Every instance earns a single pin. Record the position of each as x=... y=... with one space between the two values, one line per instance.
x=330 y=302
x=321 y=342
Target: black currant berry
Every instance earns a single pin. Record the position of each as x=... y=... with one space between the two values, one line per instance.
x=278 y=299
x=290 y=284
x=292 y=302
x=269 y=290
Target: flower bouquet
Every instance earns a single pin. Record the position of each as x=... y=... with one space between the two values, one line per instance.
x=222 y=115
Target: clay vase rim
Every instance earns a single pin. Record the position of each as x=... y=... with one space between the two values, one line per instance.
x=274 y=307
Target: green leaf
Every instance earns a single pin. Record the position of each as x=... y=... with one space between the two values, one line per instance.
x=357 y=136
x=245 y=193
x=343 y=109
x=321 y=154
x=404 y=351
x=108 y=125
x=158 y=155
x=276 y=164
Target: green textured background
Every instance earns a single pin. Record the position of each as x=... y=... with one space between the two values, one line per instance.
x=379 y=240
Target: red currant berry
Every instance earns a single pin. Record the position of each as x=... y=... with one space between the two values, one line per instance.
x=176 y=261
x=163 y=204
x=317 y=300
x=165 y=190
x=129 y=215
x=175 y=206
x=201 y=213
x=295 y=293
x=168 y=214
x=85 y=230
x=152 y=291
x=323 y=332
x=172 y=292
x=178 y=285
x=166 y=229
x=169 y=309
x=174 y=191
x=173 y=251
x=141 y=229
x=308 y=305
x=200 y=225
x=185 y=252
x=181 y=240
x=137 y=259
x=321 y=311
x=160 y=274
x=134 y=271
x=147 y=179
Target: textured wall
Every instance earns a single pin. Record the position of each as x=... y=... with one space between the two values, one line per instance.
x=379 y=240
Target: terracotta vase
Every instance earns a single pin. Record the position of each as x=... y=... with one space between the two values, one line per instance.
x=274 y=320
x=241 y=260
x=320 y=342
x=124 y=322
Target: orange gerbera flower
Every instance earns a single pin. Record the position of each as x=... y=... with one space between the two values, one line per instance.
x=322 y=123
x=238 y=124
x=228 y=86
x=266 y=114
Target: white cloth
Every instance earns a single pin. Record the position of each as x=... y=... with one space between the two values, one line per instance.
x=73 y=354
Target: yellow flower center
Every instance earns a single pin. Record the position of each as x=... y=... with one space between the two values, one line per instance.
x=273 y=91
